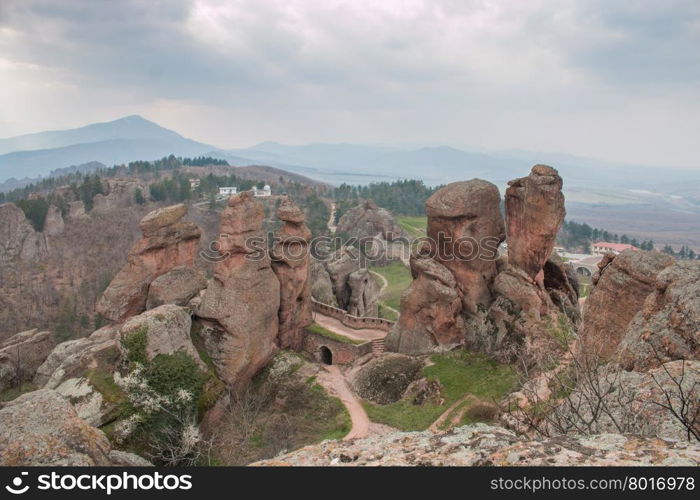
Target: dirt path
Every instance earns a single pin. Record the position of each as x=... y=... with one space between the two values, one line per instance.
x=385 y=284
x=435 y=426
x=331 y=219
x=336 y=326
x=334 y=382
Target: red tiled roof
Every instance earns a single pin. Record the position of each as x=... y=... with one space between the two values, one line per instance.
x=618 y=247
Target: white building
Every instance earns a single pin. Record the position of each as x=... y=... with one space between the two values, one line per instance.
x=603 y=247
x=265 y=191
x=228 y=191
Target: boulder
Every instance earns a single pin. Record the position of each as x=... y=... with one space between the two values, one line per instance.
x=486 y=445
x=41 y=428
x=622 y=286
x=534 y=212
x=241 y=303
x=384 y=379
x=175 y=287
x=21 y=355
x=465 y=227
x=321 y=285
x=430 y=309
x=167 y=330
x=354 y=289
x=364 y=294
x=290 y=263
x=668 y=326
x=167 y=243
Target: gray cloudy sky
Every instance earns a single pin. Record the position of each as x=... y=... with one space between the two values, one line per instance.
x=617 y=80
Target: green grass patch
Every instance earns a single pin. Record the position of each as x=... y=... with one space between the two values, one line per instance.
x=415 y=226
x=386 y=313
x=398 y=278
x=325 y=332
x=459 y=372
x=560 y=330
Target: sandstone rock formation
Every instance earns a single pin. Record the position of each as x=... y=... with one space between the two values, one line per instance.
x=321 y=285
x=430 y=309
x=120 y=193
x=354 y=289
x=534 y=212
x=290 y=262
x=167 y=330
x=41 y=428
x=21 y=355
x=76 y=210
x=367 y=220
x=465 y=227
x=241 y=303
x=175 y=287
x=668 y=325
x=167 y=243
x=621 y=288
x=18 y=239
x=53 y=224
x=484 y=445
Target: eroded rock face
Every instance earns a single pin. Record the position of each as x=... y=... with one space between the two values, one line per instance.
x=668 y=326
x=354 y=288
x=18 y=239
x=167 y=243
x=21 y=355
x=481 y=445
x=465 y=226
x=53 y=225
x=621 y=288
x=534 y=212
x=321 y=285
x=240 y=304
x=120 y=193
x=430 y=309
x=167 y=329
x=367 y=220
x=175 y=287
x=290 y=262
x=41 y=428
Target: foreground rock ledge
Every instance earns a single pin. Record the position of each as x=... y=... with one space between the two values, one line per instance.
x=484 y=445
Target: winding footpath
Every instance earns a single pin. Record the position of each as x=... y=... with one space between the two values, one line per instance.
x=334 y=382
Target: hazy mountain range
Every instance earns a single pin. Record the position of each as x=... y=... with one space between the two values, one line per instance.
x=610 y=195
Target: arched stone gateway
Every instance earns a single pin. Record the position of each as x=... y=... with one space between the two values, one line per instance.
x=325 y=355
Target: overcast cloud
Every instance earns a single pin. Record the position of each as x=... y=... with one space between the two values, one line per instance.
x=617 y=80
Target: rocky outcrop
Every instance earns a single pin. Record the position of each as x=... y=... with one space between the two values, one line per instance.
x=166 y=329
x=430 y=309
x=76 y=210
x=120 y=193
x=175 y=287
x=484 y=445
x=41 y=428
x=620 y=290
x=167 y=243
x=321 y=285
x=21 y=355
x=367 y=220
x=633 y=402
x=18 y=239
x=290 y=262
x=77 y=369
x=465 y=227
x=354 y=289
x=534 y=212
x=53 y=224
x=668 y=325
x=240 y=305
